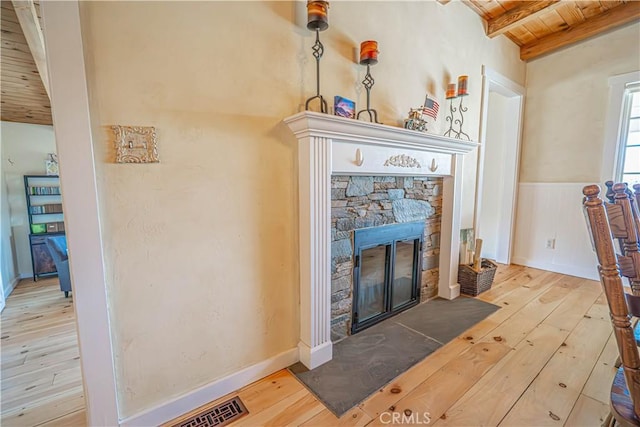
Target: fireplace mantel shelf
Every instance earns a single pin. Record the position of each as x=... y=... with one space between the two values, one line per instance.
x=309 y=123
x=336 y=145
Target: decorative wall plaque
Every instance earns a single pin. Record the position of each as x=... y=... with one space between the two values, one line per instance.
x=403 y=161
x=136 y=144
x=51 y=164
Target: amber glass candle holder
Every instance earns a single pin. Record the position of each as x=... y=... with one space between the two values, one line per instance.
x=462 y=92
x=317 y=15
x=317 y=20
x=451 y=95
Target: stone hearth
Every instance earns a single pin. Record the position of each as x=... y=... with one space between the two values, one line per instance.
x=331 y=145
x=370 y=201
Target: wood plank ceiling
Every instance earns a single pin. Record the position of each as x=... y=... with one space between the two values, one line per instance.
x=542 y=27
x=23 y=97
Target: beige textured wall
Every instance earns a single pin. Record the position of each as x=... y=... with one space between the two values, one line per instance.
x=567 y=100
x=201 y=249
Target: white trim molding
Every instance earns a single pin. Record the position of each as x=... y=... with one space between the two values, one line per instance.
x=72 y=127
x=336 y=145
x=492 y=81
x=611 y=166
x=210 y=392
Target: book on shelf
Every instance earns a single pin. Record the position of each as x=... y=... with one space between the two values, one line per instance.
x=44 y=191
x=52 y=208
x=47 y=227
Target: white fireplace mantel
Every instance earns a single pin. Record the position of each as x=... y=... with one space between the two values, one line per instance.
x=335 y=145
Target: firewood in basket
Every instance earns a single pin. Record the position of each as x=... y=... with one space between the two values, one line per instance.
x=477 y=264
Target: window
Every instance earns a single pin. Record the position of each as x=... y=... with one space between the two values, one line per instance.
x=623 y=93
x=629 y=136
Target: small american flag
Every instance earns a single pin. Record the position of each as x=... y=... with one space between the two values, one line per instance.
x=430 y=108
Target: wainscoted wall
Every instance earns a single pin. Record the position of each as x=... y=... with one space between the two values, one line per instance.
x=553 y=211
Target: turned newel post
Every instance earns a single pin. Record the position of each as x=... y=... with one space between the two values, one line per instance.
x=613 y=288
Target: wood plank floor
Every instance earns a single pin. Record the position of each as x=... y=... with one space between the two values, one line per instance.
x=40 y=373
x=545 y=358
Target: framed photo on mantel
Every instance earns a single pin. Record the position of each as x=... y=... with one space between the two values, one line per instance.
x=344 y=107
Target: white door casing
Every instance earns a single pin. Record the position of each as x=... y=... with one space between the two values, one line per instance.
x=493 y=81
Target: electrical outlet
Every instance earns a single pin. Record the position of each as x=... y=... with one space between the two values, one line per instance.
x=550 y=244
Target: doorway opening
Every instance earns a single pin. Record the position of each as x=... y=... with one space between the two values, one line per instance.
x=498 y=165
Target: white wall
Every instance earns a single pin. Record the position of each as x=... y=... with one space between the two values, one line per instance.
x=563 y=142
x=567 y=95
x=24 y=152
x=201 y=249
x=7 y=265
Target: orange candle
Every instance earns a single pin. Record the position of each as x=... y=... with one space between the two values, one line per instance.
x=317 y=15
x=369 y=52
x=462 y=85
x=451 y=91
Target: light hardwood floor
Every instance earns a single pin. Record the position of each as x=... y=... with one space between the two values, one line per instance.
x=545 y=358
x=41 y=380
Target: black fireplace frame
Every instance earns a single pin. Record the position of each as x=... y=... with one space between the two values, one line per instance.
x=388 y=235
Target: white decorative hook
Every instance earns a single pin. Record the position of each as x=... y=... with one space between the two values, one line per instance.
x=434 y=165
x=359 y=157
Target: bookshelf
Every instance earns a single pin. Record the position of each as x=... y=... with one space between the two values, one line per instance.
x=46 y=218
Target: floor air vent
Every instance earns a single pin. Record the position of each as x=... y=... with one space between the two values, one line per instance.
x=219 y=415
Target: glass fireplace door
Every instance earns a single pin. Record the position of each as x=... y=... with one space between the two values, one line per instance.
x=386 y=272
x=402 y=290
x=373 y=273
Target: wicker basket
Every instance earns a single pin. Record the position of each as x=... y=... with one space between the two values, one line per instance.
x=474 y=283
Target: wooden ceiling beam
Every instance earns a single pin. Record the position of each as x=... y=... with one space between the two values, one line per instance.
x=607 y=20
x=517 y=16
x=28 y=18
x=477 y=9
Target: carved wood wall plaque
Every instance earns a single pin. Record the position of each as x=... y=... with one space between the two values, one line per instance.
x=136 y=144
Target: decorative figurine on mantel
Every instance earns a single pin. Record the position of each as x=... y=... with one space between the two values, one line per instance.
x=317 y=20
x=417 y=120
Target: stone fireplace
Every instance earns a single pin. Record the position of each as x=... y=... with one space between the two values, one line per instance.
x=331 y=149
x=369 y=202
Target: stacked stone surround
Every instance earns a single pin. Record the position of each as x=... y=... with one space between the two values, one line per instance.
x=368 y=201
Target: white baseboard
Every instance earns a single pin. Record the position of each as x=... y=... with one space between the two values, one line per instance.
x=196 y=398
x=316 y=356
x=585 y=273
x=12 y=285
